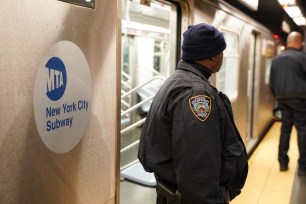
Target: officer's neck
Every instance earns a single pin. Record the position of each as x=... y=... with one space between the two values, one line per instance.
x=204 y=70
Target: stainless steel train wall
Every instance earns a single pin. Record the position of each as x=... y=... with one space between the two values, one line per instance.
x=86 y=37
x=246 y=67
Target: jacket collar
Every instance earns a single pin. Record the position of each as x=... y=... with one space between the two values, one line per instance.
x=291 y=48
x=194 y=68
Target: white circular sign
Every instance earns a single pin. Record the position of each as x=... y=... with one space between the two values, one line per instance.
x=62 y=97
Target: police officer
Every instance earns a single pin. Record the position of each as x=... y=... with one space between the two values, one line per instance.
x=189 y=139
x=288 y=85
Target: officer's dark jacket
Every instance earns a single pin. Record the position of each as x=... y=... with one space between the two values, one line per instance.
x=197 y=156
x=288 y=75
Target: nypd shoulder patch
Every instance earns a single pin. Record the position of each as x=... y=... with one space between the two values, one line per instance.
x=200 y=106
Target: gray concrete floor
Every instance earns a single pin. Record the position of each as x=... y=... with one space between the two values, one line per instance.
x=131 y=193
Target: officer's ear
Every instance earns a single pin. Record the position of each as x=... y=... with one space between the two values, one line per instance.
x=213 y=58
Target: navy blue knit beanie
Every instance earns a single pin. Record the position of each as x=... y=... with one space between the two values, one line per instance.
x=202 y=41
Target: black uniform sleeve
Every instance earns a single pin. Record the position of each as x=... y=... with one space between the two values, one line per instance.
x=196 y=148
x=234 y=156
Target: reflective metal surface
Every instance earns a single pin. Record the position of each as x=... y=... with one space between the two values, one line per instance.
x=85 y=3
x=253 y=115
x=29 y=171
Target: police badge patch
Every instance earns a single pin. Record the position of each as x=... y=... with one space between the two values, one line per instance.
x=200 y=106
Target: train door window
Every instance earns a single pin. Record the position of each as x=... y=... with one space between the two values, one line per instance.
x=227 y=77
x=269 y=52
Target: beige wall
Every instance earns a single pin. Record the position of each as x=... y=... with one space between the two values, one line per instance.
x=29 y=171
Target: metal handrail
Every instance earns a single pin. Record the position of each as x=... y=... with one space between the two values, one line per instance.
x=147 y=91
x=136 y=124
x=125 y=74
x=125 y=103
x=129 y=164
x=140 y=86
x=129 y=146
x=126 y=84
x=136 y=105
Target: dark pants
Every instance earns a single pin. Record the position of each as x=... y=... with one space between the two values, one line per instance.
x=167 y=193
x=293 y=113
x=162 y=200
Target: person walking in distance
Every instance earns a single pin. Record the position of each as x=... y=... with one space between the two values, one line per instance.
x=288 y=86
x=189 y=139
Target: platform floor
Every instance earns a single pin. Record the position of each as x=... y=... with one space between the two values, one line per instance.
x=265 y=183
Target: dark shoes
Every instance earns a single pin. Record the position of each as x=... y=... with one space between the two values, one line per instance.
x=302 y=172
x=283 y=167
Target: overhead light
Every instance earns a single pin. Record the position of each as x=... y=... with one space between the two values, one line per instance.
x=286 y=27
x=252 y=4
x=293 y=11
x=286 y=2
x=300 y=21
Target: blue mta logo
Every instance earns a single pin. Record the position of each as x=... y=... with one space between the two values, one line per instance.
x=57 y=78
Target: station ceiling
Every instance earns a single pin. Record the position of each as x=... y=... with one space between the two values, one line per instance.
x=271 y=15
